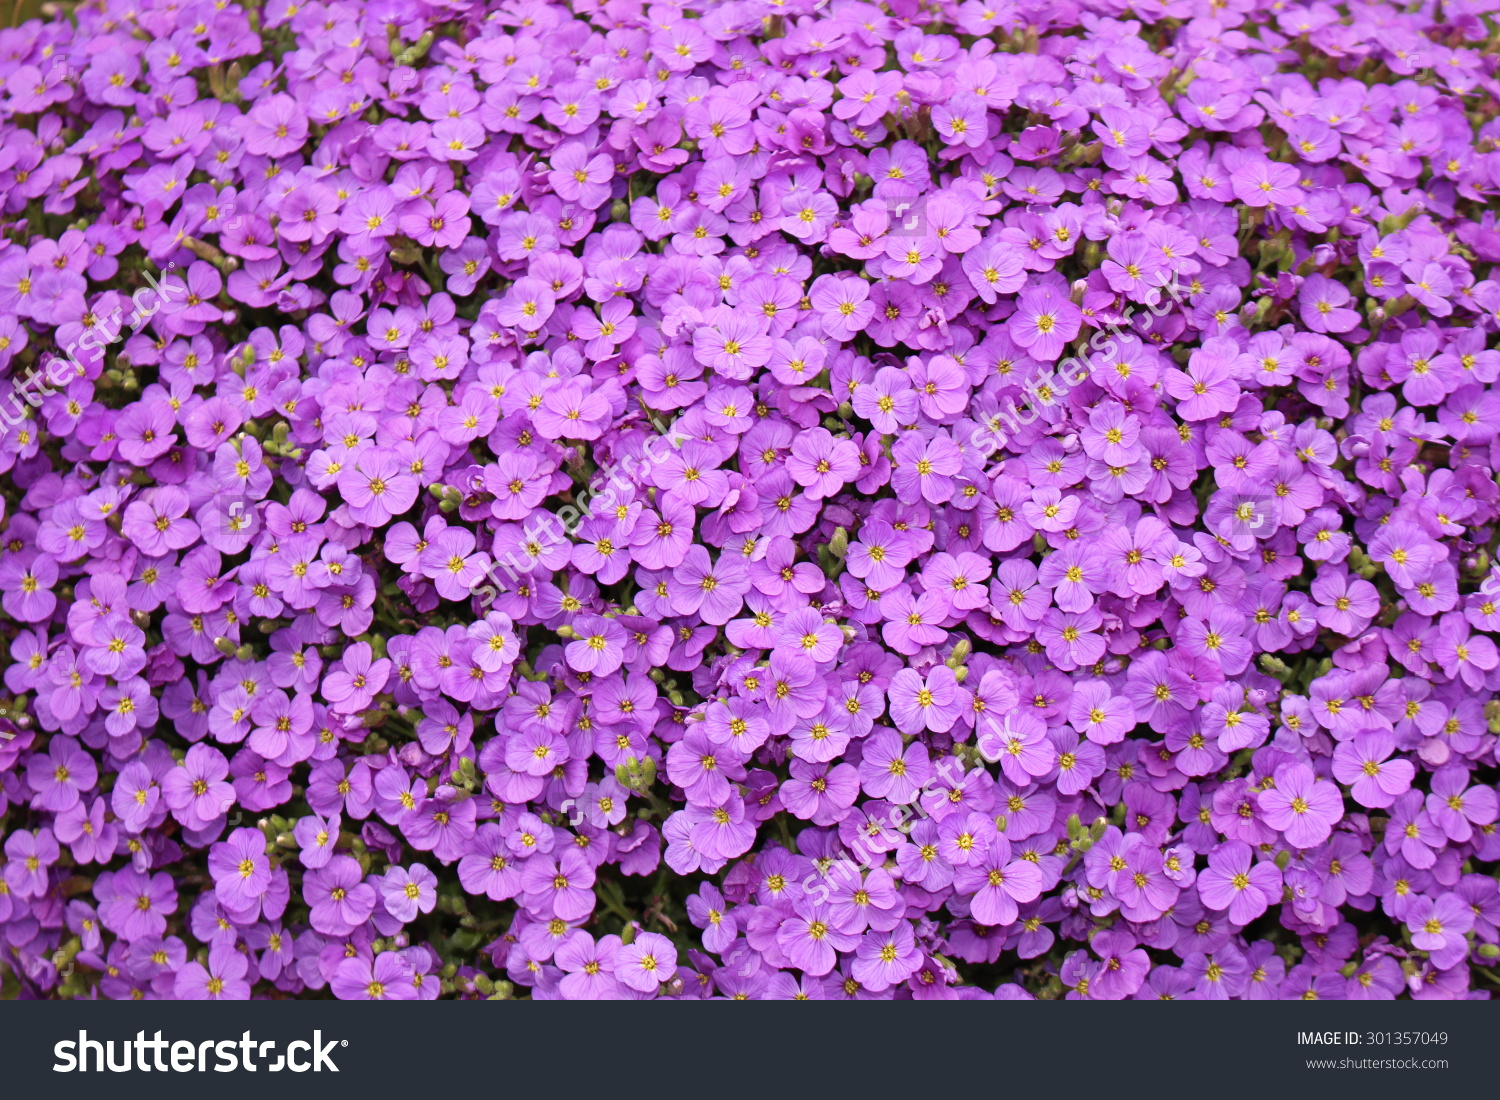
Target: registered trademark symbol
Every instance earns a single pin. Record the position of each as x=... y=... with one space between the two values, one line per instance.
x=343 y=1042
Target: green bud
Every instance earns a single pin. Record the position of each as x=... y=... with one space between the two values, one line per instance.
x=1489 y=951
x=1276 y=667
x=224 y=646
x=619 y=211
x=205 y=251
x=566 y=631
x=960 y=654
x=417 y=52
x=1397 y=222
x=838 y=545
x=1282 y=859
x=1075 y=827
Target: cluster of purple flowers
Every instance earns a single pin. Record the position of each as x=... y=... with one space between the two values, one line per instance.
x=779 y=500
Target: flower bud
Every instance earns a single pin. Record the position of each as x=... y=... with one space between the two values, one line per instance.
x=838 y=545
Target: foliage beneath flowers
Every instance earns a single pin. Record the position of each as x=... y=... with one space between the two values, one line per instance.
x=764 y=500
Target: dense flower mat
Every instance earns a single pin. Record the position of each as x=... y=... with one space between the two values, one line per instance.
x=766 y=500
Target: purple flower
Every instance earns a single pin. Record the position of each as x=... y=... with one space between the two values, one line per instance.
x=646 y=962
x=1437 y=926
x=405 y=892
x=1235 y=883
x=222 y=979
x=240 y=869
x=1364 y=765
x=1301 y=806
x=998 y=882
x=339 y=898
x=387 y=978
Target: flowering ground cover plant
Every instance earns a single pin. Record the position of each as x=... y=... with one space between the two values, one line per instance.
x=802 y=499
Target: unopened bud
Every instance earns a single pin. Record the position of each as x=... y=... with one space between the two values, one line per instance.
x=838 y=545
